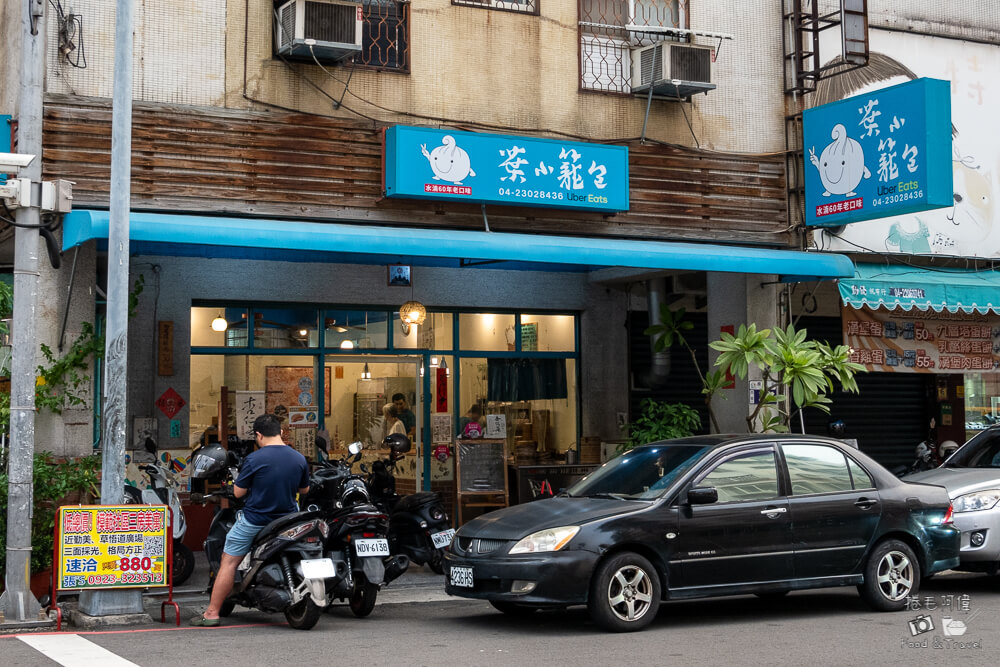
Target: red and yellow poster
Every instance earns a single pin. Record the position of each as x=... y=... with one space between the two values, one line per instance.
x=915 y=341
x=111 y=546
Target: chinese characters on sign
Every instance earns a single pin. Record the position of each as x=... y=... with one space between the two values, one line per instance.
x=879 y=154
x=922 y=341
x=490 y=168
x=111 y=546
x=249 y=406
x=941 y=622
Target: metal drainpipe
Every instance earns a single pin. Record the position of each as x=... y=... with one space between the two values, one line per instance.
x=659 y=367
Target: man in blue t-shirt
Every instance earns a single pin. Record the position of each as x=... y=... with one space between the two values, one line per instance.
x=269 y=479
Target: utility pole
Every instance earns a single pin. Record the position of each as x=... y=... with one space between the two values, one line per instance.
x=17 y=602
x=114 y=429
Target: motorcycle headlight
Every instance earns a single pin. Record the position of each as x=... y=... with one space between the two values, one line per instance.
x=551 y=539
x=437 y=514
x=979 y=500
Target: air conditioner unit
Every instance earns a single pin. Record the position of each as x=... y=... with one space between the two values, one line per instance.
x=672 y=70
x=330 y=30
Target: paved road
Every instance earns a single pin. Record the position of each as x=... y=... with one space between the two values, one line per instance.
x=827 y=627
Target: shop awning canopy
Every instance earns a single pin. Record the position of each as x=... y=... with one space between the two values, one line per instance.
x=285 y=235
x=908 y=287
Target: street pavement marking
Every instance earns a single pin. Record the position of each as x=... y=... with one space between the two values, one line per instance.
x=74 y=651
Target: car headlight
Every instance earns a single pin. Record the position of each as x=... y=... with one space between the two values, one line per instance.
x=551 y=539
x=980 y=500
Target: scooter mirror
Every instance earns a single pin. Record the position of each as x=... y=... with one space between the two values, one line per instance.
x=355 y=448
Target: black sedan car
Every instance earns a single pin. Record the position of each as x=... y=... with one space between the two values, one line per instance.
x=708 y=516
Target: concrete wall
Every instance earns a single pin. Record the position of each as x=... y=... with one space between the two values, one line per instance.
x=603 y=389
x=469 y=66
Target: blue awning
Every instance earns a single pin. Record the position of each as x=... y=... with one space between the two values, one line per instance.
x=81 y=226
x=908 y=287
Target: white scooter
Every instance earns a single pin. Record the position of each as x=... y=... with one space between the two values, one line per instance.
x=164 y=492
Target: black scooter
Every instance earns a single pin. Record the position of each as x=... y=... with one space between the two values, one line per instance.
x=357 y=544
x=418 y=524
x=284 y=571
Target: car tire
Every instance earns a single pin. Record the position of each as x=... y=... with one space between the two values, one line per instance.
x=892 y=574
x=624 y=593
x=513 y=608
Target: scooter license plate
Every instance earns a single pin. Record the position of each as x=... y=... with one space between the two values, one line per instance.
x=443 y=539
x=376 y=547
x=461 y=577
x=318 y=568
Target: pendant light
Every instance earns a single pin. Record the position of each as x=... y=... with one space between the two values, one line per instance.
x=366 y=374
x=413 y=312
x=444 y=365
x=219 y=323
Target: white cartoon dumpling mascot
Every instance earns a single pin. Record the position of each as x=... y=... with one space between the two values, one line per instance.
x=448 y=161
x=842 y=164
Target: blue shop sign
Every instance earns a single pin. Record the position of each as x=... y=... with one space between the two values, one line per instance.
x=879 y=154
x=423 y=163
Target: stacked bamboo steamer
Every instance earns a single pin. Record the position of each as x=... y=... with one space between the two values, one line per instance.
x=590 y=450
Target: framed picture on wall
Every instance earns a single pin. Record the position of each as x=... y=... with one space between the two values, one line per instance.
x=399 y=275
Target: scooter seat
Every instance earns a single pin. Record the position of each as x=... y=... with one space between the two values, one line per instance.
x=282 y=523
x=415 y=500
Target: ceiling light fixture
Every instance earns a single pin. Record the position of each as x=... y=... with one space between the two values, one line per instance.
x=347 y=344
x=219 y=323
x=366 y=374
x=444 y=365
x=413 y=312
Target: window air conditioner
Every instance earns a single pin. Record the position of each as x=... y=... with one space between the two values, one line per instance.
x=328 y=29
x=672 y=70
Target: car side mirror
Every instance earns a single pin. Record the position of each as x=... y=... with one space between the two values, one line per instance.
x=703 y=495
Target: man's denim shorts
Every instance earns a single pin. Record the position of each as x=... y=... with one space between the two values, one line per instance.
x=240 y=536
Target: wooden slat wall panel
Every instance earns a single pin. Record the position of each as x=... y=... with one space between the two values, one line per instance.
x=296 y=165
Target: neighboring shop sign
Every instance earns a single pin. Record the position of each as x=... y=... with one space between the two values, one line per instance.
x=472 y=167
x=921 y=341
x=111 y=546
x=879 y=154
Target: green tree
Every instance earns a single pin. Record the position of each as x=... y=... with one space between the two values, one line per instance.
x=791 y=367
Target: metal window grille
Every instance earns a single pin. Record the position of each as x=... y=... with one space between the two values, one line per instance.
x=522 y=6
x=385 y=36
x=606 y=42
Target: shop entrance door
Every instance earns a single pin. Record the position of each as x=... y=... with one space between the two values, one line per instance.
x=361 y=407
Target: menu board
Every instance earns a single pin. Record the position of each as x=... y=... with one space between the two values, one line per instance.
x=481 y=466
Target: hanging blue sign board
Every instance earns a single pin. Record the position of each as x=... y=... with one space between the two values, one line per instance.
x=879 y=154
x=423 y=163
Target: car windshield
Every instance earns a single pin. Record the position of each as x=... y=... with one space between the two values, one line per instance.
x=983 y=451
x=641 y=474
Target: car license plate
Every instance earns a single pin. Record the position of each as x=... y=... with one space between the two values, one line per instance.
x=376 y=547
x=318 y=568
x=443 y=539
x=461 y=577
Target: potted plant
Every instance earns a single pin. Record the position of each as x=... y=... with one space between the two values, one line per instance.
x=659 y=420
x=55 y=482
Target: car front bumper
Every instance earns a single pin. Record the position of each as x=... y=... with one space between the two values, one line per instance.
x=560 y=578
x=985 y=523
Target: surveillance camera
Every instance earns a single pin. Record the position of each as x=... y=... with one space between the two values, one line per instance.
x=14 y=161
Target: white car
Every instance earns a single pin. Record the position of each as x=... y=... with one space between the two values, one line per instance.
x=972 y=477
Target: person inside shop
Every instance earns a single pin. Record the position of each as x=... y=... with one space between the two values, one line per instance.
x=473 y=415
x=390 y=422
x=405 y=415
x=269 y=479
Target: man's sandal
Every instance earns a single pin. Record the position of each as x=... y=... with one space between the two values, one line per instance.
x=202 y=622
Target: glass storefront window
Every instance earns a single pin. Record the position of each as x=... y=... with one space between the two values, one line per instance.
x=215 y=327
x=285 y=385
x=547 y=333
x=433 y=334
x=486 y=331
x=537 y=397
x=285 y=328
x=355 y=329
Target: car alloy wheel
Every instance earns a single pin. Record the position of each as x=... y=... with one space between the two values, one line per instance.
x=892 y=574
x=625 y=594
